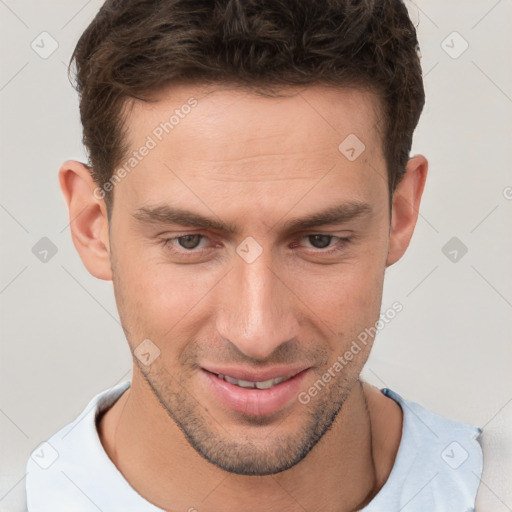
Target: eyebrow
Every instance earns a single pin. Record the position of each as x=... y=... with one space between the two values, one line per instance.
x=165 y=214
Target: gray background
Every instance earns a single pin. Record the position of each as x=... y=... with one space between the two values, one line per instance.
x=450 y=349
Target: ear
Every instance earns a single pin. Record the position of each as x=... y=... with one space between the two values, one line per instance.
x=405 y=207
x=87 y=217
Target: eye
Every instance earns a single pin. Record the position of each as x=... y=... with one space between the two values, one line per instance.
x=322 y=244
x=320 y=241
x=189 y=241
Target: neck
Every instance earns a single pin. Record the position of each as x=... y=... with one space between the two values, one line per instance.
x=343 y=471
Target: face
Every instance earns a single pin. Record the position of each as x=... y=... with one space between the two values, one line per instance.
x=251 y=251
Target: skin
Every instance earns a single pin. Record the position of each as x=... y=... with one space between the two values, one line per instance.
x=256 y=163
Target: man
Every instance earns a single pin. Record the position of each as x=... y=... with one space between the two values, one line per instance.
x=249 y=182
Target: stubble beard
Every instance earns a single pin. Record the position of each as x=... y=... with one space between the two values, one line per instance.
x=243 y=455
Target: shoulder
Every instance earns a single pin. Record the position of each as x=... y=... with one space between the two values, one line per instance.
x=57 y=466
x=438 y=464
x=428 y=432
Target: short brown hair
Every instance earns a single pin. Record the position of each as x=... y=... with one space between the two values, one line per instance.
x=133 y=48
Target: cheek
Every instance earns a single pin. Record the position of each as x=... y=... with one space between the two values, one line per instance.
x=159 y=300
x=346 y=297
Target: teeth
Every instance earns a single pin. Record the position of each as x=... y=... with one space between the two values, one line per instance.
x=265 y=384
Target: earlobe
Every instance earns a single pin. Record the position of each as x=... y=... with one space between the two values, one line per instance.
x=405 y=207
x=88 y=218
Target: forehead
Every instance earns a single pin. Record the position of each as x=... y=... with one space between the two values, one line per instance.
x=239 y=138
x=221 y=110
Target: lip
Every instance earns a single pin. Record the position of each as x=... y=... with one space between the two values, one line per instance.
x=254 y=402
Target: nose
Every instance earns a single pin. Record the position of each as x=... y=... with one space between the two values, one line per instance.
x=256 y=312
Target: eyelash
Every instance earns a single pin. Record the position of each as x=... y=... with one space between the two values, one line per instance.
x=340 y=246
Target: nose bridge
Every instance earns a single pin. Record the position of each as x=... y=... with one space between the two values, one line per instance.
x=257 y=311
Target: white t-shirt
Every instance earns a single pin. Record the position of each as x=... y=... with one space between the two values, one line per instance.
x=437 y=467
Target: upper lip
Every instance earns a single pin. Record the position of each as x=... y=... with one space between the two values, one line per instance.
x=256 y=374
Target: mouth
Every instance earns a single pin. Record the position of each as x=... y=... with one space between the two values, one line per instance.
x=262 y=384
x=254 y=393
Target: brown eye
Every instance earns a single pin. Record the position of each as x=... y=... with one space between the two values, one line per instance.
x=189 y=241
